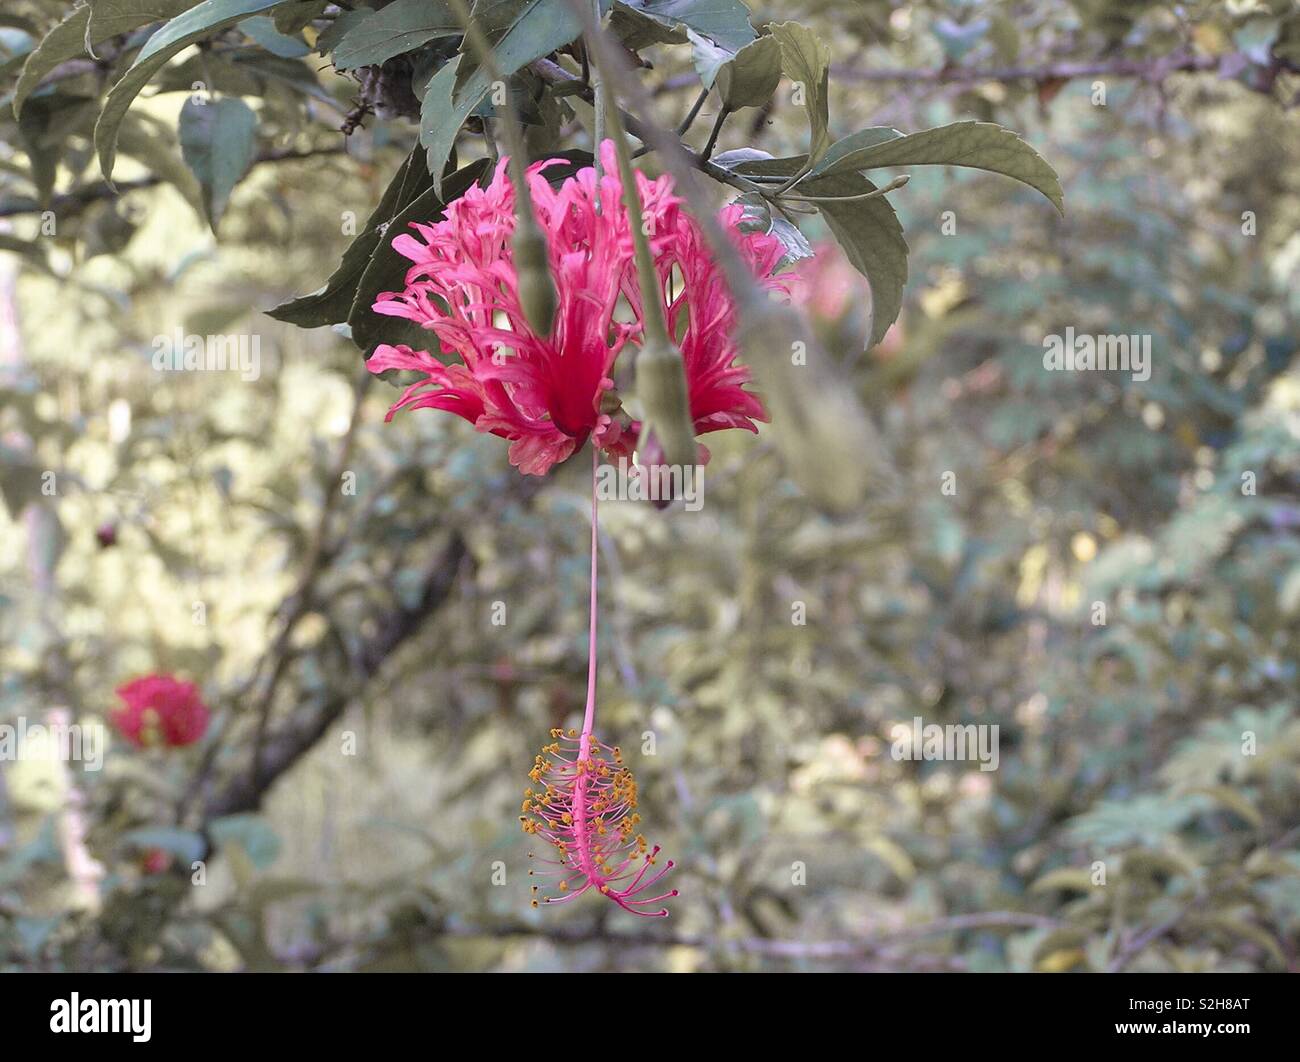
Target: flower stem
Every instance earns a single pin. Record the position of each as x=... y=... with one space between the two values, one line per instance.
x=589 y=717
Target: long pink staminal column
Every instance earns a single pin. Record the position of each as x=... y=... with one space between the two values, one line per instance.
x=588 y=809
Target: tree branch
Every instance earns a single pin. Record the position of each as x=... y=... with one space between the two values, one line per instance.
x=887 y=948
x=1154 y=69
x=74 y=202
x=285 y=747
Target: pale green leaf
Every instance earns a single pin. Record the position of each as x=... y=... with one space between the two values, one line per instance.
x=807 y=62
x=978 y=145
x=218 y=142
x=209 y=17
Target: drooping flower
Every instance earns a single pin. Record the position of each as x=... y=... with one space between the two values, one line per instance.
x=161 y=710
x=549 y=394
x=585 y=807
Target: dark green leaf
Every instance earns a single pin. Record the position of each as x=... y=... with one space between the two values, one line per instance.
x=386 y=270
x=64 y=41
x=440 y=120
x=333 y=301
x=400 y=27
x=342 y=25
x=867 y=229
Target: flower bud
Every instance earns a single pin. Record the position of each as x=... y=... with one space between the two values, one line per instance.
x=829 y=444
x=536 y=286
x=665 y=404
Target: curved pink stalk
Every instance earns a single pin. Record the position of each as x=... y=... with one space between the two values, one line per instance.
x=587 y=809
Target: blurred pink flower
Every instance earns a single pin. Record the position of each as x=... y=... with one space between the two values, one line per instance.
x=828 y=284
x=161 y=710
x=544 y=393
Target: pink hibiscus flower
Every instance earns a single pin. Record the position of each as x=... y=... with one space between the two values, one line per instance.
x=161 y=710
x=547 y=394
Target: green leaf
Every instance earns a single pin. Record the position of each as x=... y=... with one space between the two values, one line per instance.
x=757 y=216
x=521 y=31
x=340 y=27
x=856 y=142
x=108 y=18
x=332 y=302
x=400 y=27
x=262 y=29
x=978 y=145
x=752 y=76
x=218 y=142
x=185 y=845
x=64 y=41
x=440 y=120
x=867 y=229
x=807 y=61
x=294 y=15
x=209 y=17
x=252 y=833
x=386 y=270
x=69 y=38
x=957 y=39
x=723 y=21
x=871 y=236
x=708 y=57
x=518 y=29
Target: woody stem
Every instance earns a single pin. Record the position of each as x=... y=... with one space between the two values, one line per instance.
x=654 y=321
